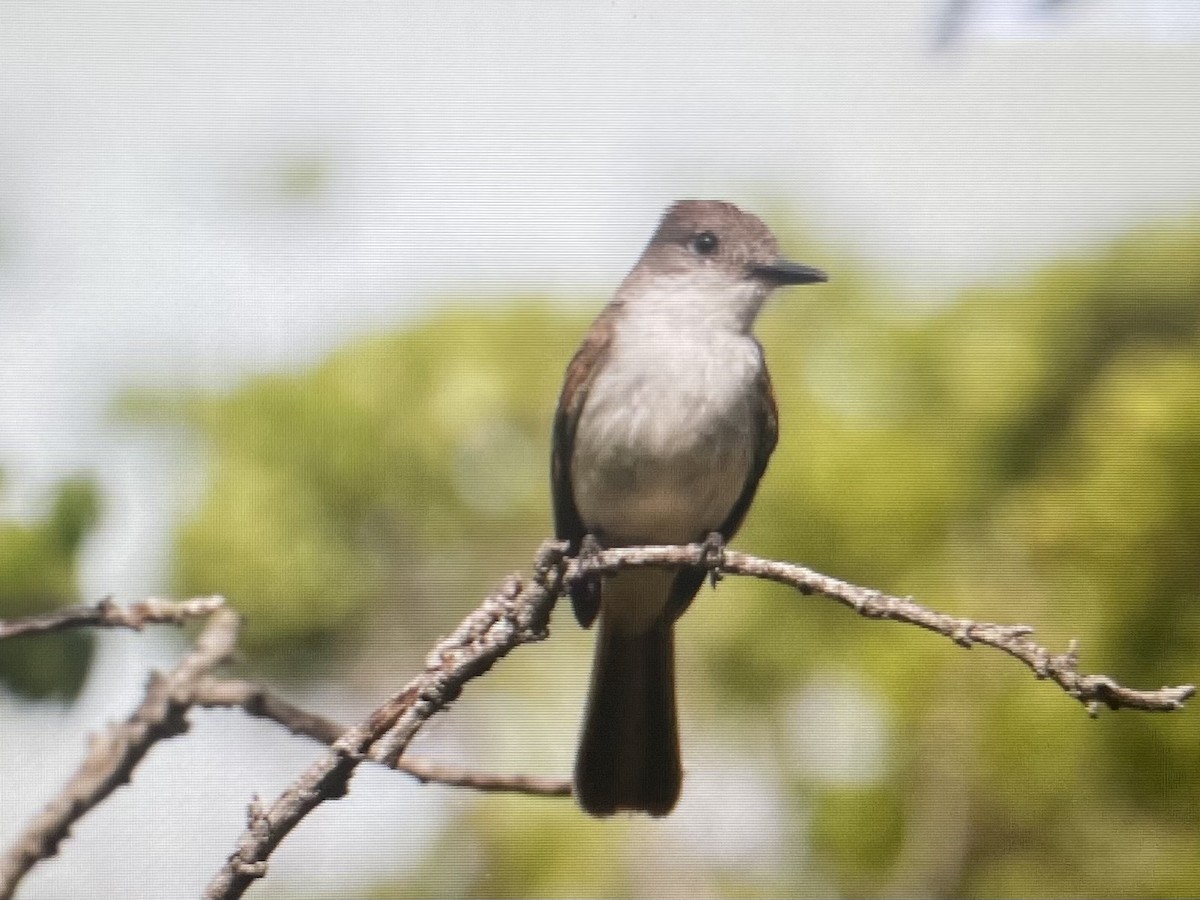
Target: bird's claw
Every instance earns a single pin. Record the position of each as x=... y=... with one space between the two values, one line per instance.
x=713 y=557
x=588 y=558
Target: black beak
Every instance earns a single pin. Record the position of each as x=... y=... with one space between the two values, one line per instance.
x=783 y=272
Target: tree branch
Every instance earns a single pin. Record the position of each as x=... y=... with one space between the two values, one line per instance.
x=108 y=614
x=258 y=701
x=519 y=613
x=114 y=753
x=1063 y=669
x=516 y=614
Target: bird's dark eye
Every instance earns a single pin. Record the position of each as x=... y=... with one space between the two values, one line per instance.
x=705 y=243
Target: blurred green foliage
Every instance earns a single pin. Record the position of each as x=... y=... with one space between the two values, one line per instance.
x=405 y=469
x=1028 y=453
x=512 y=848
x=37 y=575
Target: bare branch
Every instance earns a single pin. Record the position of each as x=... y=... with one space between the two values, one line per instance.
x=518 y=613
x=258 y=701
x=453 y=776
x=108 y=614
x=1015 y=640
x=261 y=703
x=113 y=754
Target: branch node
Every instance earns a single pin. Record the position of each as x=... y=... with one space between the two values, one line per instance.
x=1064 y=668
x=962 y=634
x=1071 y=658
x=1041 y=663
x=551 y=556
x=108 y=611
x=256 y=813
x=255 y=870
x=870 y=604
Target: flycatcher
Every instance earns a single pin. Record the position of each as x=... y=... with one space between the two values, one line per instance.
x=664 y=427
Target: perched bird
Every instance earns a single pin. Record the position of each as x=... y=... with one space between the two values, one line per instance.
x=664 y=427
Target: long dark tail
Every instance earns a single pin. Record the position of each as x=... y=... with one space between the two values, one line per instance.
x=629 y=751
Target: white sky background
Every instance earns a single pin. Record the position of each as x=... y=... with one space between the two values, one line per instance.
x=497 y=145
x=523 y=143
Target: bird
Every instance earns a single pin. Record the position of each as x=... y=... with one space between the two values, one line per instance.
x=665 y=424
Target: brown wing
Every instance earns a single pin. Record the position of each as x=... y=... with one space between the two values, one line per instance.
x=768 y=437
x=585 y=596
x=688 y=581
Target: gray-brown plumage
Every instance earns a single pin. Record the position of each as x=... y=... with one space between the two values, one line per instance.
x=664 y=427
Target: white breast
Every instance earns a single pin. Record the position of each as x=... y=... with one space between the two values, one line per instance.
x=666 y=438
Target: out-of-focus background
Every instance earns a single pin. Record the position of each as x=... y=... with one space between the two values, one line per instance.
x=286 y=294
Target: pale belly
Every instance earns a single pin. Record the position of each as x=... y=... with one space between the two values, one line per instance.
x=661 y=459
x=662 y=500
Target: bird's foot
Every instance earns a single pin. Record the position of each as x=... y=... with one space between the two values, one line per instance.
x=589 y=555
x=713 y=558
x=588 y=558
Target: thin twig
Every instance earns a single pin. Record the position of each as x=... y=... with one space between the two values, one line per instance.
x=258 y=701
x=1063 y=669
x=108 y=614
x=113 y=754
x=430 y=772
x=518 y=613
